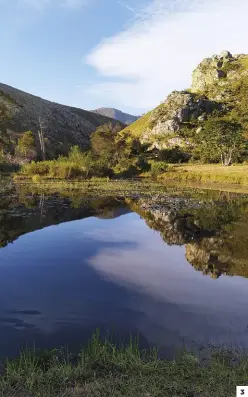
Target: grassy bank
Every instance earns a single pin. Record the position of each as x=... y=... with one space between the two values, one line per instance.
x=210 y=173
x=103 y=369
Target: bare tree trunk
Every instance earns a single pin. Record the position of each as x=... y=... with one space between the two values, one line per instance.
x=41 y=138
x=227 y=158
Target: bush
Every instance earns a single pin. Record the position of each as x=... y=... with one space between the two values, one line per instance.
x=39 y=168
x=26 y=146
x=77 y=165
x=157 y=168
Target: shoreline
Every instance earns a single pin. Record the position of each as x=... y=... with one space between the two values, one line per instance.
x=103 y=369
x=165 y=181
x=202 y=176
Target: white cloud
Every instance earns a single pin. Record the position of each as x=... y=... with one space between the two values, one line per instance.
x=158 y=51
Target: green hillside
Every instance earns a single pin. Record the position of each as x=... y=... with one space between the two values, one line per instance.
x=219 y=83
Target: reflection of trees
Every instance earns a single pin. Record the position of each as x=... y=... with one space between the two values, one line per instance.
x=214 y=233
x=23 y=214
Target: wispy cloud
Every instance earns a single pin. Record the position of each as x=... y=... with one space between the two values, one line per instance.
x=158 y=51
x=127 y=6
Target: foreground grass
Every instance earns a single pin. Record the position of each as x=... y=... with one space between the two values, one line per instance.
x=103 y=369
x=210 y=173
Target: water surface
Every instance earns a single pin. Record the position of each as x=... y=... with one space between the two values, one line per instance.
x=176 y=273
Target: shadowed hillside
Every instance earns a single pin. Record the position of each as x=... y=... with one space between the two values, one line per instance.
x=63 y=126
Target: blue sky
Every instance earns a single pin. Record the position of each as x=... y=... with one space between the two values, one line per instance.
x=124 y=54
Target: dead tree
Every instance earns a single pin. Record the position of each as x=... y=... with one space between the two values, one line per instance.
x=41 y=133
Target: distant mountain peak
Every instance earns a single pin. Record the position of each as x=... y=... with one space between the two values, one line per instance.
x=116 y=114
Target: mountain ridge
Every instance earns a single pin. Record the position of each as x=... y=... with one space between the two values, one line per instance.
x=117 y=114
x=64 y=125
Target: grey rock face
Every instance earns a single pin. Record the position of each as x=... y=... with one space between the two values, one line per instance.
x=179 y=108
x=210 y=71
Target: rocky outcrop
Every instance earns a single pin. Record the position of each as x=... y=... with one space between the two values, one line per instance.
x=179 y=109
x=214 y=74
x=219 y=83
x=63 y=125
x=210 y=70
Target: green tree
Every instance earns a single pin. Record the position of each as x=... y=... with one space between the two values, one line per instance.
x=75 y=154
x=26 y=145
x=222 y=137
x=103 y=141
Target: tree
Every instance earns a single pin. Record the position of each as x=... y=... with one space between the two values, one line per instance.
x=41 y=132
x=26 y=145
x=223 y=137
x=103 y=141
x=75 y=154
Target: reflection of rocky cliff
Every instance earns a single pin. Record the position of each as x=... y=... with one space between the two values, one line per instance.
x=173 y=218
x=215 y=233
x=23 y=215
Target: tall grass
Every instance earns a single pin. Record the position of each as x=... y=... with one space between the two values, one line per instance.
x=80 y=165
x=60 y=169
x=214 y=173
x=104 y=369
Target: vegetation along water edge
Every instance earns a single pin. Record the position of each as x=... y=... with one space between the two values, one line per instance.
x=107 y=369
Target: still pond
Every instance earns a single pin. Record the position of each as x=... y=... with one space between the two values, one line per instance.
x=173 y=270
